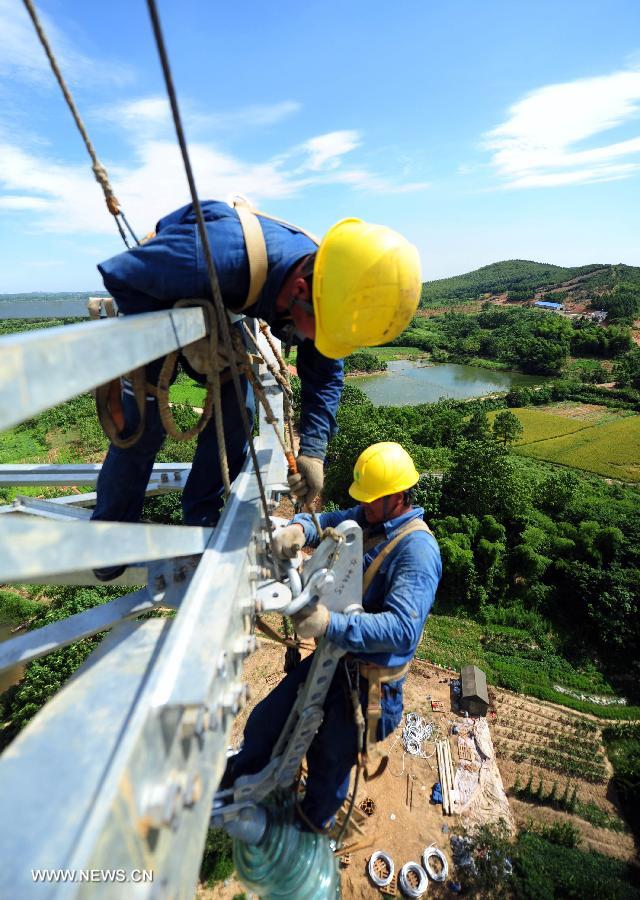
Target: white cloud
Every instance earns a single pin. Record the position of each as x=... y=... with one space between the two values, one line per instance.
x=64 y=198
x=539 y=144
x=363 y=180
x=9 y=202
x=325 y=150
x=151 y=116
x=23 y=56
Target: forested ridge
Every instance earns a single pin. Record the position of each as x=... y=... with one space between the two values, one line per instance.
x=522 y=275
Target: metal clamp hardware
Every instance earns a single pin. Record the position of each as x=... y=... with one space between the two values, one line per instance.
x=340 y=587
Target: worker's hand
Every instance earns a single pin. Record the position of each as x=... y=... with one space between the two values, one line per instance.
x=307 y=483
x=287 y=542
x=311 y=621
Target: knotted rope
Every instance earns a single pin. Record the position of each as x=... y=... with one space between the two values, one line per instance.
x=99 y=170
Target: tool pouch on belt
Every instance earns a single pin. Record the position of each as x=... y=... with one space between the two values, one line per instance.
x=378 y=675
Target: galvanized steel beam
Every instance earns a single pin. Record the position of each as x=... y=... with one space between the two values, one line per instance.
x=52 y=775
x=45 y=509
x=76 y=473
x=39 y=369
x=118 y=769
x=34 y=644
x=57 y=547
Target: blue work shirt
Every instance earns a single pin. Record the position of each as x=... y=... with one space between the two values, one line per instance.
x=171 y=266
x=398 y=599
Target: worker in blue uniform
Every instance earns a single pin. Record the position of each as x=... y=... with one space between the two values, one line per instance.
x=401 y=572
x=359 y=286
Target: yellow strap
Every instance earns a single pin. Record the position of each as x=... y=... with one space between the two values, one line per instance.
x=376 y=677
x=256 y=247
x=372 y=571
x=256 y=251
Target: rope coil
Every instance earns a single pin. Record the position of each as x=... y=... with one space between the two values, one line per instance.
x=380 y=856
x=417 y=872
x=427 y=854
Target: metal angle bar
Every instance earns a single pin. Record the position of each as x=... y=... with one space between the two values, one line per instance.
x=45 y=509
x=154 y=805
x=64 y=755
x=186 y=741
x=133 y=577
x=39 y=369
x=56 y=547
x=34 y=644
x=145 y=796
x=42 y=474
x=44 y=309
x=155 y=488
x=225 y=564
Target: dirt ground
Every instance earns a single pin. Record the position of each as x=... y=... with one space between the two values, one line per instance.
x=404 y=822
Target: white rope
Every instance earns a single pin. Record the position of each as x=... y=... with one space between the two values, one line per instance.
x=427 y=854
x=386 y=859
x=406 y=887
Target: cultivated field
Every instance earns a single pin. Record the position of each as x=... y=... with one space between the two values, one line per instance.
x=593 y=438
x=560 y=757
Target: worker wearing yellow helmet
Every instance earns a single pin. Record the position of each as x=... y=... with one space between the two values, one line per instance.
x=358 y=286
x=401 y=572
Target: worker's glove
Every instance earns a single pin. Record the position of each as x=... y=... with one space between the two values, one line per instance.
x=311 y=621
x=307 y=483
x=287 y=542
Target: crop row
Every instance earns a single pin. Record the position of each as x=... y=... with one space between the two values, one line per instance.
x=584 y=748
x=556 y=762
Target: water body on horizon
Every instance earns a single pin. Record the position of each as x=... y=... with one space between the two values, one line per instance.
x=408 y=383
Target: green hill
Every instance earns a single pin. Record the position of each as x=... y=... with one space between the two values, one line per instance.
x=523 y=275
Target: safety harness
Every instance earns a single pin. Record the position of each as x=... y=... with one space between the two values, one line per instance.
x=375 y=674
x=108 y=396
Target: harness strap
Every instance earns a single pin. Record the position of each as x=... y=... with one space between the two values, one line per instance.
x=372 y=571
x=95 y=305
x=256 y=247
x=377 y=676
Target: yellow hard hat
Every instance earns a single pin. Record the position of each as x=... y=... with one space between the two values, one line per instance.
x=366 y=287
x=382 y=469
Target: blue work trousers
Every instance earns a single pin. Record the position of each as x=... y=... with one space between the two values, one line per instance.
x=333 y=751
x=125 y=472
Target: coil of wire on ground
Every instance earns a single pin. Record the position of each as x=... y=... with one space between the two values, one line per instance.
x=427 y=854
x=380 y=856
x=406 y=887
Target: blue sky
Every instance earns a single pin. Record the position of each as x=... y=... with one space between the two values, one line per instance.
x=482 y=131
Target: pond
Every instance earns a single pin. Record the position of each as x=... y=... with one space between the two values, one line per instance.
x=409 y=382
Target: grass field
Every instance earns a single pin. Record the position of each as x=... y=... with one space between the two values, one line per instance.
x=185 y=390
x=594 y=439
x=513 y=658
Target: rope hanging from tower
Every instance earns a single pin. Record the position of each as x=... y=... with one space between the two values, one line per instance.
x=99 y=170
